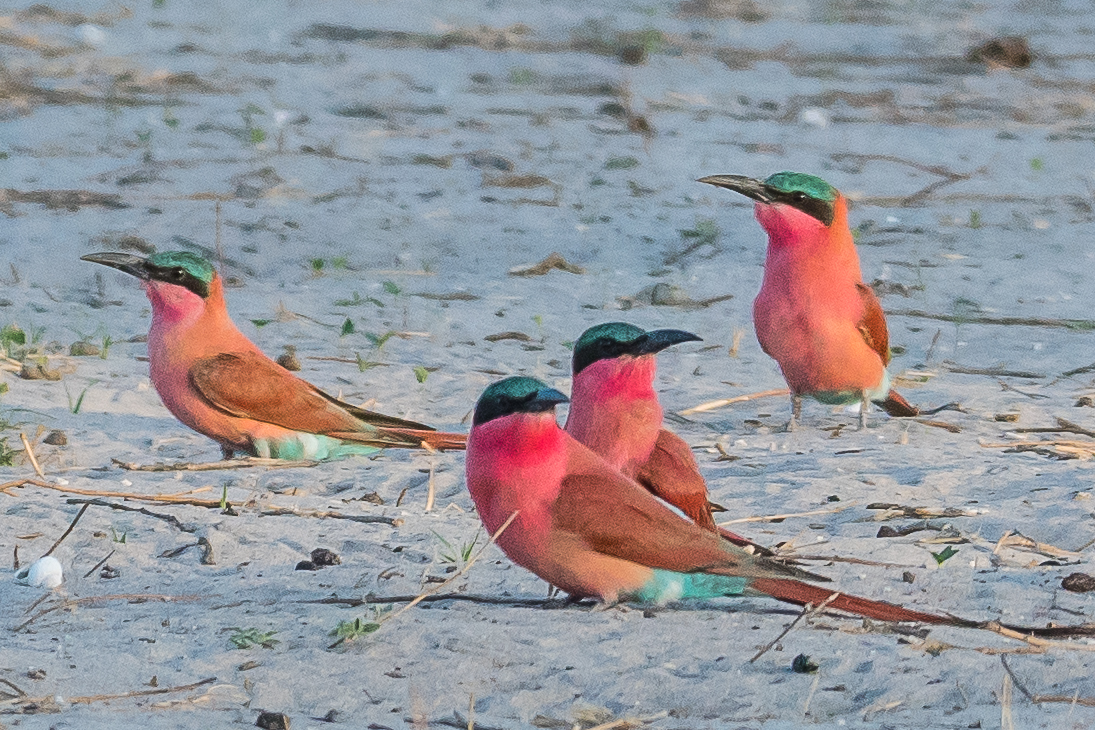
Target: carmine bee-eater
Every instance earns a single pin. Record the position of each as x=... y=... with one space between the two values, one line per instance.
x=584 y=527
x=615 y=412
x=814 y=315
x=217 y=382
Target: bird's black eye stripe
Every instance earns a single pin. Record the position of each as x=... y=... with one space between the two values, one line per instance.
x=821 y=210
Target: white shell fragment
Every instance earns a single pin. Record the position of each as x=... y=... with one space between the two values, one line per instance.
x=45 y=573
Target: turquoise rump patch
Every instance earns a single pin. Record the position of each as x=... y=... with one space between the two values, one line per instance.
x=309 y=447
x=666 y=586
x=848 y=397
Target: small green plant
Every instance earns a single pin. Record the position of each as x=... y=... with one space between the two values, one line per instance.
x=359 y=627
x=421 y=373
x=379 y=340
x=224 y=497
x=621 y=163
x=522 y=76
x=347 y=328
x=169 y=118
x=317 y=266
x=116 y=538
x=74 y=406
x=246 y=638
x=261 y=322
x=253 y=133
x=391 y=287
x=944 y=555
x=1036 y=164
x=357 y=300
x=7 y=454
x=975 y=219
x=12 y=335
x=340 y=262
x=105 y=349
x=454 y=556
x=706 y=232
x=363 y=364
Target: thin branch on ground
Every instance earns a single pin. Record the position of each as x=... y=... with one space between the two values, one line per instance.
x=131 y=597
x=716 y=404
x=65 y=534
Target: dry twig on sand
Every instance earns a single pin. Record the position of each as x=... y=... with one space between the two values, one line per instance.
x=30 y=455
x=807 y=610
x=244 y=463
x=89 y=699
x=130 y=597
x=437 y=589
x=780 y=518
x=65 y=534
x=715 y=404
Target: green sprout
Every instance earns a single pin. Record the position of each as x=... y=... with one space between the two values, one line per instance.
x=246 y=638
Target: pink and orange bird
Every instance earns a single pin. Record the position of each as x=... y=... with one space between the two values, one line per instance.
x=614 y=411
x=814 y=315
x=586 y=528
x=217 y=382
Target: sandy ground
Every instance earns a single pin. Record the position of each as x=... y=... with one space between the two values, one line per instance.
x=387 y=164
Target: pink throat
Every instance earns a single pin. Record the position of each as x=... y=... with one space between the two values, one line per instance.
x=787 y=226
x=625 y=378
x=173 y=305
x=515 y=462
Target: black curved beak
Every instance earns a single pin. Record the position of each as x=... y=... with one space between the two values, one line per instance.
x=547 y=398
x=657 y=340
x=747 y=186
x=133 y=265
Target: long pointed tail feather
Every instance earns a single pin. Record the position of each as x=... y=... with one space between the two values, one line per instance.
x=435 y=439
x=404 y=438
x=793 y=591
x=897 y=406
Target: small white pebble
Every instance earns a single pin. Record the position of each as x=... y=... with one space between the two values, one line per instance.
x=814 y=117
x=62 y=481
x=973 y=563
x=91 y=35
x=740 y=444
x=892 y=219
x=127 y=483
x=1041 y=224
x=1036 y=346
x=42 y=573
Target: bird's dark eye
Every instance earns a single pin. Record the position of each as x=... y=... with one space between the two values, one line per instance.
x=798 y=196
x=178 y=273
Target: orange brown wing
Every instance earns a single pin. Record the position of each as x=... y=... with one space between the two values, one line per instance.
x=873 y=323
x=672 y=474
x=250 y=385
x=616 y=516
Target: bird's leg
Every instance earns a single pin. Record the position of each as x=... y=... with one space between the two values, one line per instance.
x=796 y=412
x=864 y=406
x=227 y=452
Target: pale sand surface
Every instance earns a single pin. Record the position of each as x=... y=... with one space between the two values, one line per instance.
x=381 y=154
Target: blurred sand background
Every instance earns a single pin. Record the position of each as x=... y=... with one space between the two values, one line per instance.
x=368 y=174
